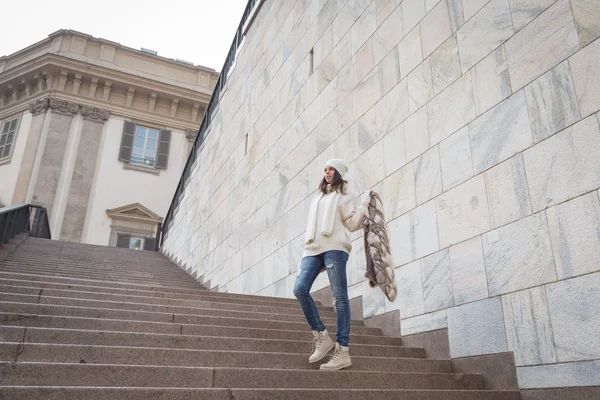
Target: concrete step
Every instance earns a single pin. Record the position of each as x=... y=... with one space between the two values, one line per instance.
x=190 y=342
x=99 y=275
x=124 y=267
x=117 y=325
x=84 y=374
x=125 y=288
x=136 y=315
x=213 y=302
x=107 y=393
x=199 y=308
x=122 y=355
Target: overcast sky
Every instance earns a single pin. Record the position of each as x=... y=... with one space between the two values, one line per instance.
x=199 y=31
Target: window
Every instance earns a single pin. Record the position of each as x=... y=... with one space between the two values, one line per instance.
x=144 y=146
x=7 y=137
x=136 y=243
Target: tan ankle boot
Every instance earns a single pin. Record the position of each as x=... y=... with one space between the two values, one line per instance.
x=340 y=359
x=322 y=344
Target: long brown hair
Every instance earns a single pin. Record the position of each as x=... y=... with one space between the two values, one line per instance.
x=338 y=184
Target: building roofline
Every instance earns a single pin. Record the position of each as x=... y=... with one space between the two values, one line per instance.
x=64 y=32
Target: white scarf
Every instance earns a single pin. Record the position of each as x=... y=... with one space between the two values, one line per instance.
x=330 y=204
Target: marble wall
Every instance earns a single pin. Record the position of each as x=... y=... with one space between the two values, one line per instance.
x=478 y=122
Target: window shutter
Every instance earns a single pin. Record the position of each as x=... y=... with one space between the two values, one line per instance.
x=127 y=142
x=164 y=142
x=123 y=240
x=149 y=243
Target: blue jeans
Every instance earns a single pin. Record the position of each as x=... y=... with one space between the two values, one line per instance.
x=334 y=262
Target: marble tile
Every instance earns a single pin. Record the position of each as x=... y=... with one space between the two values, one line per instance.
x=400 y=240
x=356 y=263
x=435 y=28
x=388 y=35
x=528 y=328
x=384 y=9
x=393 y=150
x=369 y=167
x=573 y=306
x=412 y=12
x=367 y=94
x=455 y=11
x=574 y=229
x=343 y=22
x=410 y=290
x=524 y=11
x=469 y=282
x=542 y=44
x=359 y=7
x=409 y=52
x=552 y=102
x=429 y=4
x=392 y=109
x=424 y=323
x=366 y=130
x=507 y=191
x=455 y=157
x=398 y=192
x=373 y=300
x=451 y=109
x=472 y=7
x=428 y=177
x=416 y=134
x=424 y=231
x=491 y=82
x=487 y=30
x=587 y=20
x=584 y=67
x=559 y=375
x=463 y=212
x=445 y=64
x=476 y=328
x=364 y=27
x=389 y=72
x=500 y=133
x=564 y=165
x=437 y=281
x=420 y=85
x=519 y=256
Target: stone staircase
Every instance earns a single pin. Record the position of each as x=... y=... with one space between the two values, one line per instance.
x=91 y=322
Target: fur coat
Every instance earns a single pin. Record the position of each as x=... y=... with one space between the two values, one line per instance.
x=380 y=265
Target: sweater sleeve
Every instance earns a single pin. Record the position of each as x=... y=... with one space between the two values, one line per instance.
x=352 y=216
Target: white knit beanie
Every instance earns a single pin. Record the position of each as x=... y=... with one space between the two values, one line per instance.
x=339 y=164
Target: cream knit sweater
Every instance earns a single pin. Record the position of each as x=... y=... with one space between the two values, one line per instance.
x=348 y=216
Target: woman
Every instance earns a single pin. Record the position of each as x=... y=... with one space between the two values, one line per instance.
x=328 y=248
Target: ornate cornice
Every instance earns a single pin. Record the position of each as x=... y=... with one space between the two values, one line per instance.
x=63 y=106
x=191 y=134
x=94 y=113
x=68 y=108
x=39 y=106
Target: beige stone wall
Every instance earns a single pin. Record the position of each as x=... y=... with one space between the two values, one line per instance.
x=478 y=123
x=115 y=186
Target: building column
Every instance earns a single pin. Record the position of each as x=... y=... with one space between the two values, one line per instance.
x=82 y=174
x=48 y=172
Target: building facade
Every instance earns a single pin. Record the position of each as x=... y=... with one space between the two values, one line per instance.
x=97 y=133
x=477 y=122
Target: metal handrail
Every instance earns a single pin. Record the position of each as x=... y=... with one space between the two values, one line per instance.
x=208 y=113
x=23 y=218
